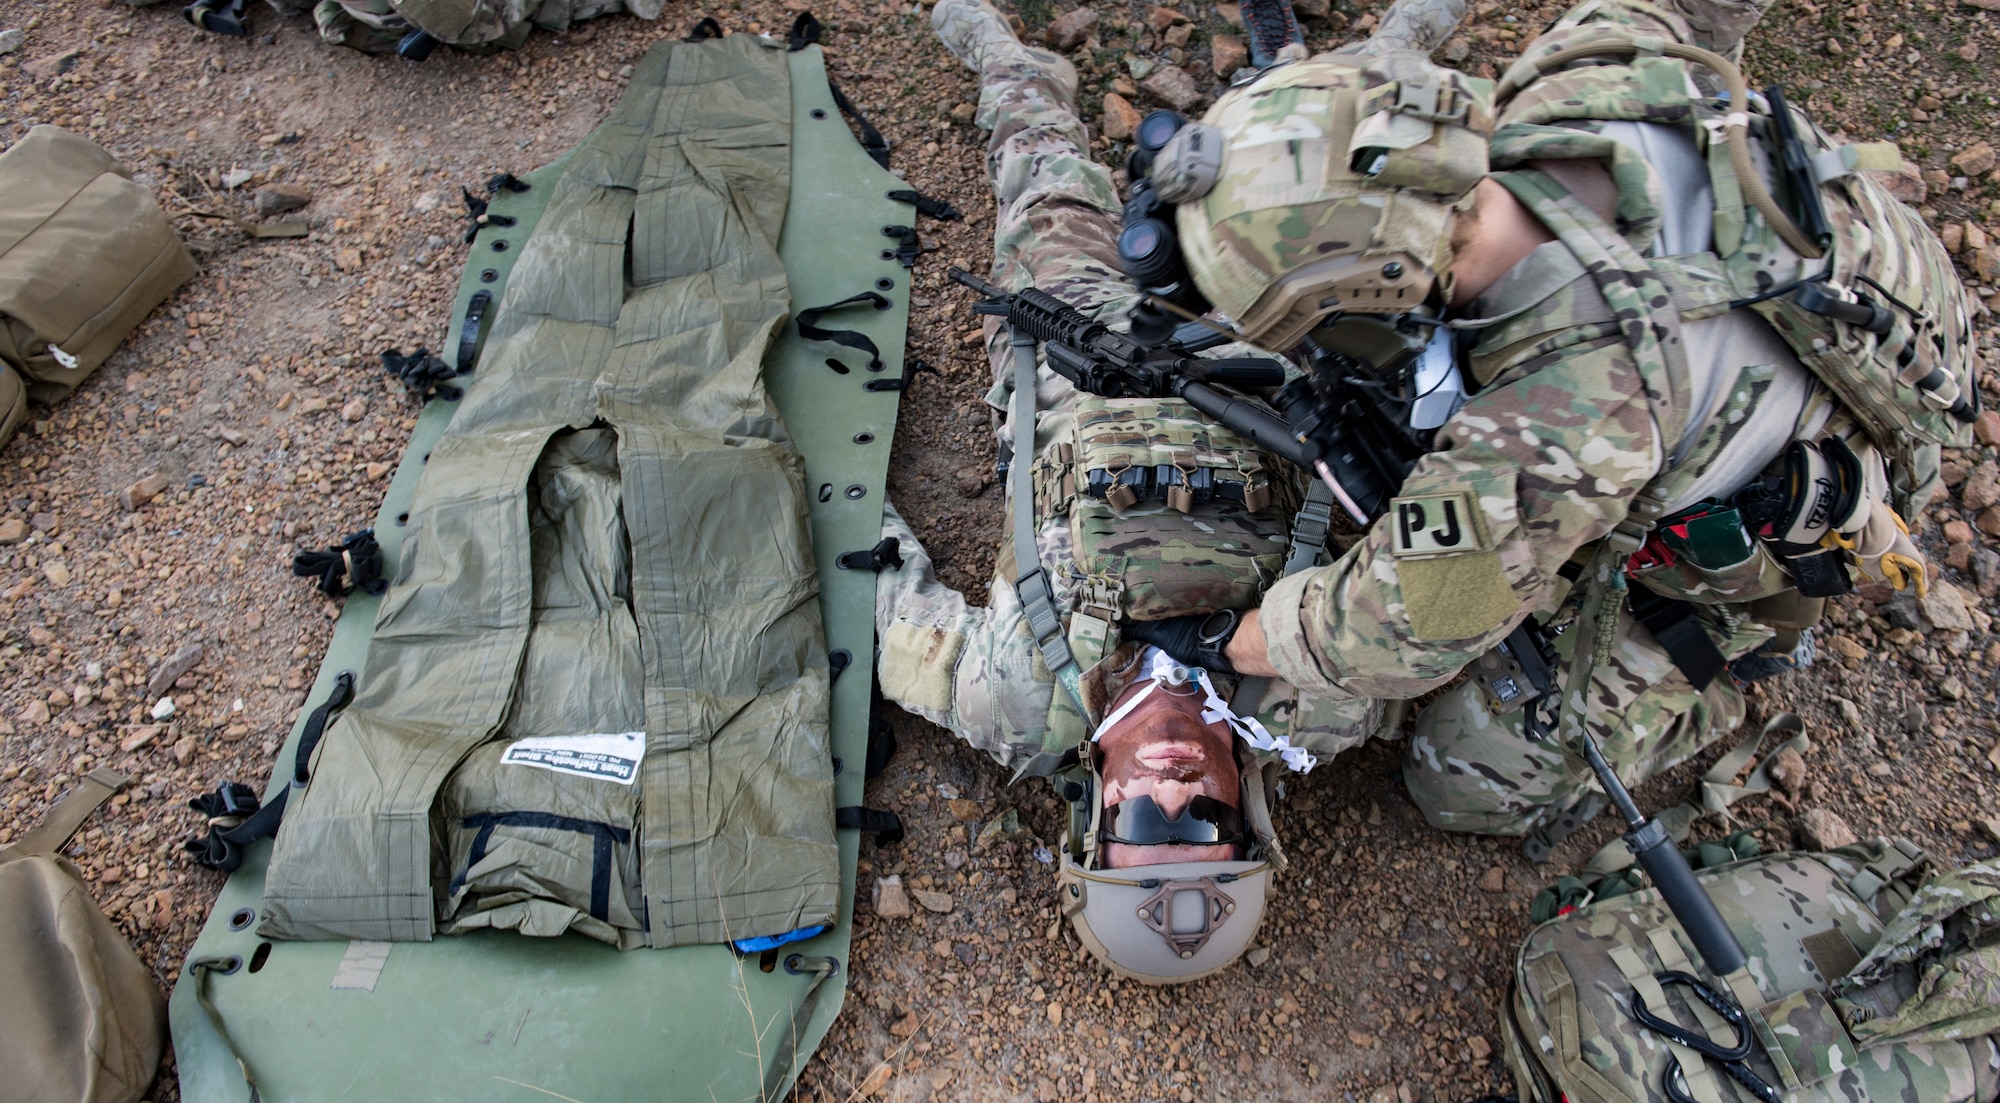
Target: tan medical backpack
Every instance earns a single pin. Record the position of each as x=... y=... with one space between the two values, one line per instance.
x=81 y=1020
x=85 y=255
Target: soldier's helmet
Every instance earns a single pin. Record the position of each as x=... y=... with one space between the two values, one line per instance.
x=1169 y=923
x=1335 y=191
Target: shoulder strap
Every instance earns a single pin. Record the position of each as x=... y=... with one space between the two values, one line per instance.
x=54 y=832
x=1031 y=584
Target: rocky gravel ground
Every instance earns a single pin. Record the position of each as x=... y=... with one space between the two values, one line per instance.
x=146 y=526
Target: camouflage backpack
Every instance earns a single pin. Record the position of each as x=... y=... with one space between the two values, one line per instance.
x=1866 y=981
x=1857 y=285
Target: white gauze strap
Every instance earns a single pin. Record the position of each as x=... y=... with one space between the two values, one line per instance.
x=1161 y=669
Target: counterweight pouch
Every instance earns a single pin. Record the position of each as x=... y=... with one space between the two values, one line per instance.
x=1421 y=126
x=1184 y=515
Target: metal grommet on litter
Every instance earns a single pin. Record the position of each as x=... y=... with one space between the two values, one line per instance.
x=242 y=918
x=857 y=491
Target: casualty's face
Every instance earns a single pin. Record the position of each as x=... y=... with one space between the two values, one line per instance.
x=1163 y=750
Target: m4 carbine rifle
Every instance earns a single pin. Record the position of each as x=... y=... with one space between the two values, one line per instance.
x=1334 y=430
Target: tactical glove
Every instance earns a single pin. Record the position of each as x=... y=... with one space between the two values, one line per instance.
x=1197 y=639
x=1885 y=552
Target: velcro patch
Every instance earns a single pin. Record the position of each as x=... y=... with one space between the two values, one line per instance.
x=1435 y=524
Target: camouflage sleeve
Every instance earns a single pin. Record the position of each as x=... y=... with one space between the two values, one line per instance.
x=967 y=668
x=1533 y=468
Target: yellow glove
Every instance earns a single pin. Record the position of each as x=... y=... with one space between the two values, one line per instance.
x=1884 y=551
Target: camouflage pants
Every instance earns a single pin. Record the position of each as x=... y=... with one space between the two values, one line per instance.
x=1470 y=770
x=1056 y=229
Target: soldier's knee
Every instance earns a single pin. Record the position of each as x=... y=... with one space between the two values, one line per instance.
x=1468 y=770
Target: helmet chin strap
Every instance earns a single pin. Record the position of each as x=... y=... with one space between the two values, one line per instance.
x=1163 y=671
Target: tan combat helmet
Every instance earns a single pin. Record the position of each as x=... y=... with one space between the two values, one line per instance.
x=1338 y=183
x=1179 y=921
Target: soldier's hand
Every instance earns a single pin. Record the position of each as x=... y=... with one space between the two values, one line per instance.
x=1194 y=640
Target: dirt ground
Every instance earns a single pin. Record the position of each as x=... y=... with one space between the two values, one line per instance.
x=256 y=393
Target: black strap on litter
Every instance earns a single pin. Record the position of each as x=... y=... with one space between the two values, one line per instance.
x=476 y=215
x=887 y=827
x=1677 y=628
x=422 y=374
x=469 y=329
x=908 y=248
x=911 y=367
x=217 y=17
x=603 y=836
x=881 y=734
x=805 y=32
x=887 y=553
x=809 y=329
x=235 y=817
x=871 y=138
x=706 y=29
x=357 y=558
x=476 y=218
x=939 y=209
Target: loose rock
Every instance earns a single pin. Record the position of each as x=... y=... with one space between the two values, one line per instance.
x=890 y=900
x=143 y=491
x=13 y=530
x=11 y=39
x=905 y=1026
x=277 y=199
x=1227 y=53
x=1986 y=571
x=1982 y=487
x=162 y=709
x=1974 y=160
x=1173 y=87
x=939 y=902
x=1987 y=428
x=1068 y=31
x=179 y=663
x=1493 y=880
x=52 y=66
x=877 y=1079
x=1120 y=117
x=1906 y=183
x=1788 y=771
x=1820 y=829
x=1847 y=648
x=355 y=410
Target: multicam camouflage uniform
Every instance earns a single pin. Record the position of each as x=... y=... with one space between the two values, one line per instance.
x=1555 y=448
x=1871 y=987
x=975 y=670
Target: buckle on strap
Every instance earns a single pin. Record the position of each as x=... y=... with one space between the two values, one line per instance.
x=1038 y=605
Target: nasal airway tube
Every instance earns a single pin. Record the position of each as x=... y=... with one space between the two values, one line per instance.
x=1160 y=667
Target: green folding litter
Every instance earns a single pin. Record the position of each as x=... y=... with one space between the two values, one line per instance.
x=627 y=475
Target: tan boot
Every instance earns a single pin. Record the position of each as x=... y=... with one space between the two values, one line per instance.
x=977 y=34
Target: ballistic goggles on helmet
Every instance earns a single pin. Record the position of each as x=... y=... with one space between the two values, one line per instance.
x=1324 y=188
x=1140 y=821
